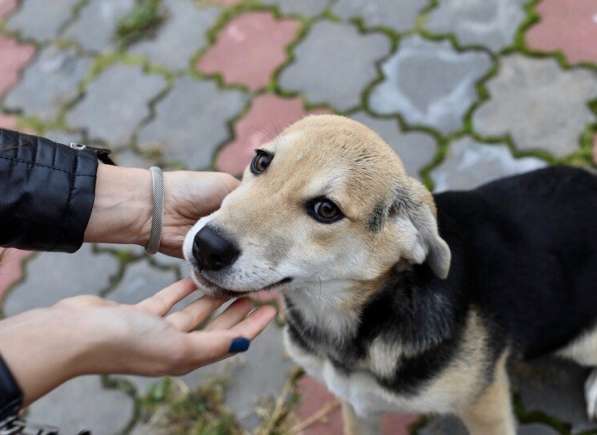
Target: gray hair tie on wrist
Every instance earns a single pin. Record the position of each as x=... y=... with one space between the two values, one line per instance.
x=157 y=186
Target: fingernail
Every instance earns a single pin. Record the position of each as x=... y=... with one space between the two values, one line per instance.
x=239 y=344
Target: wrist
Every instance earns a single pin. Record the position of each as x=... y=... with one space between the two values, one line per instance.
x=54 y=353
x=122 y=208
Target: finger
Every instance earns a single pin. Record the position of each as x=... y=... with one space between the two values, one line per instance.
x=165 y=299
x=210 y=346
x=191 y=316
x=233 y=314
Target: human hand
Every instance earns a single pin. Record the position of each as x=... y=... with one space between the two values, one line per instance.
x=123 y=203
x=90 y=335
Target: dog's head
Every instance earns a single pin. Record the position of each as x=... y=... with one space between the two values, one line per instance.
x=326 y=201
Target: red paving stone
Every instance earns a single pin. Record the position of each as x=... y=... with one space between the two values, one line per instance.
x=7 y=7
x=14 y=57
x=314 y=397
x=267 y=117
x=8 y=121
x=11 y=268
x=249 y=49
x=566 y=25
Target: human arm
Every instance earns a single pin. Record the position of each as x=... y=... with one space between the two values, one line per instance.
x=90 y=335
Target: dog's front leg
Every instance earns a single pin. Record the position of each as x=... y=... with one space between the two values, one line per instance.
x=491 y=414
x=355 y=425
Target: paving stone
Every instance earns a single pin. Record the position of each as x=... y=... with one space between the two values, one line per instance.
x=416 y=149
x=539 y=105
x=326 y=70
x=132 y=159
x=7 y=7
x=569 y=26
x=15 y=56
x=257 y=36
x=139 y=282
x=50 y=277
x=304 y=8
x=429 y=83
x=11 y=268
x=8 y=121
x=84 y=404
x=397 y=15
x=33 y=21
x=442 y=426
x=488 y=23
x=64 y=69
x=469 y=164
x=536 y=429
x=181 y=36
x=96 y=25
x=115 y=103
x=554 y=387
x=259 y=374
x=191 y=121
x=268 y=115
x=313 y=396
x=63 y=137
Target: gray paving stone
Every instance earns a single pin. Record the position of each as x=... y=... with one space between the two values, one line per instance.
x=415 y=149
x=83 y=403
x=398 y=15
x=536 y=429
x=469 y=164
x=191 y=121
x=429 y=83
x=36 y=20
x=140 y=281
x=181 y=36
x=63 y=137
x=305 y=8
x=130 y=158
x=489 y=23
x=64 y=69
x=554 y=387
x=115 y=103
x=539 y=105
x=50 y=277
x=97 y=22
x=453 y=426
x=326 y=68
x=443 y=426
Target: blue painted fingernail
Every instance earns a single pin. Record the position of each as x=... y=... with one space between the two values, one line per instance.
x=239 y=344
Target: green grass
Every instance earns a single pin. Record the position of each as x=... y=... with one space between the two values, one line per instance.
x=140 y=22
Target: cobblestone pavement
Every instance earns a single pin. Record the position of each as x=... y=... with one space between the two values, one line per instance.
x=465 y=91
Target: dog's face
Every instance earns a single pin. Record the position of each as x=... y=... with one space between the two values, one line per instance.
x=325 y=202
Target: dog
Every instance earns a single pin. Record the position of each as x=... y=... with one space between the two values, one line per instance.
x=397 y=299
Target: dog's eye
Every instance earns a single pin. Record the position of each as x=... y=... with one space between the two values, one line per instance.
x=261 y=161
x=324 y=210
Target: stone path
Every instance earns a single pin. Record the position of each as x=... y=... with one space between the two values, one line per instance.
x=465 y=91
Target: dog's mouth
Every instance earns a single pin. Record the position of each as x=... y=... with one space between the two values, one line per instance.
x=264 y=293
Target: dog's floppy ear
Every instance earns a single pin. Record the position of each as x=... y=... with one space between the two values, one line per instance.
x=414 y=203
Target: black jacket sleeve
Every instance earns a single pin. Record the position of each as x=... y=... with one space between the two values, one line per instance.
x=46 y=193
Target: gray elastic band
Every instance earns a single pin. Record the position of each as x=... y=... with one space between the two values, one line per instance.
x=157 y=185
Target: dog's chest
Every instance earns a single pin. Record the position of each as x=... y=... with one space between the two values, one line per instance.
x=444 y=394
x=447 y=392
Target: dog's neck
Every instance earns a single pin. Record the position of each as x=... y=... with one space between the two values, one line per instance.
x=410 y=308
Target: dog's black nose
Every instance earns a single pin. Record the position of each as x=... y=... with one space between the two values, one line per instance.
x=212 y=250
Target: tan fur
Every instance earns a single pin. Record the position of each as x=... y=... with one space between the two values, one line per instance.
x=491 y=413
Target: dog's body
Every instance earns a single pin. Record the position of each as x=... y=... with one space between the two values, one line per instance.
x=372 y=310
